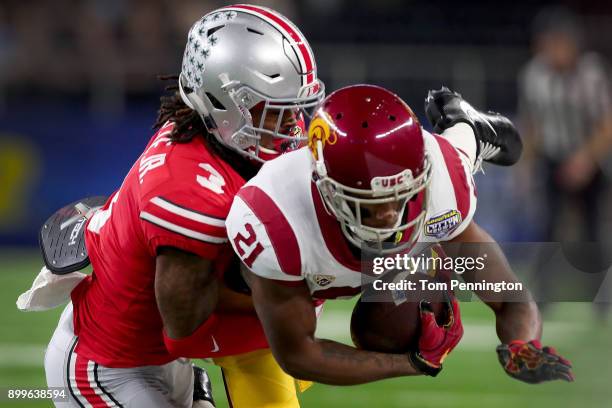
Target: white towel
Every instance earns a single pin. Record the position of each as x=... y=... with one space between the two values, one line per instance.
x=49 y=291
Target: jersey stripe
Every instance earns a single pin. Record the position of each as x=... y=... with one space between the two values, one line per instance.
x=84 y=385
x=91 y=377
x=284 y=26
x=175 y=214
x=181 y=230
x=106 y=393
x=277 y=227
x=187 y=213
x=456 y=171
x=70 y=376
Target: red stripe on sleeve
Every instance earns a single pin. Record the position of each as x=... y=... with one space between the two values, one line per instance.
x=277 y=227
x=457 y=175
x=185 y=222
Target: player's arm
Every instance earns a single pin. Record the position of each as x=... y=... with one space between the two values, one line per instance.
x=285 y=309
x=289 y=321
x=185 y=289
x=518 y=321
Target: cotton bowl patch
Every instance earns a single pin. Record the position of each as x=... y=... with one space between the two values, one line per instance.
x=441 y=225
x=324 y=280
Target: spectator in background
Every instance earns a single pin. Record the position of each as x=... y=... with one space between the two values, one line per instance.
x=565 y=108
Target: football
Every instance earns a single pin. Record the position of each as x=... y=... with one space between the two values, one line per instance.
x=389 y=321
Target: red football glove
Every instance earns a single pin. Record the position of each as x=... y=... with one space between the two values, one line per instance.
x=532 y=363
x=436 y=342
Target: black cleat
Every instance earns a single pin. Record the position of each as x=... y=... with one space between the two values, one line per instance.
x=498 y=140
x=202 y=389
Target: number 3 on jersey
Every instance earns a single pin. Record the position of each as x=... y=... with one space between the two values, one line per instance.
x=248 y=252
x=214 y=181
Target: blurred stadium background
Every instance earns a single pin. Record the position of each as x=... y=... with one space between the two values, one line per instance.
x=78 y=95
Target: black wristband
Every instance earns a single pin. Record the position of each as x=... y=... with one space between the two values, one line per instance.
x=422 y=365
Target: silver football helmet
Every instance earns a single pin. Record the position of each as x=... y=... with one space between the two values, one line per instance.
x=240 y=56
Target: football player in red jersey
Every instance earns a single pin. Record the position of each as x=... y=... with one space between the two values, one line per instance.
x=158 y=246
x=372 y=179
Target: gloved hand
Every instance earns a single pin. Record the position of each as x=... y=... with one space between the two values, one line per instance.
x=436 y=341
x=532 y=363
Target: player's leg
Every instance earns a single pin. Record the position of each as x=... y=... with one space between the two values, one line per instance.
x=177 y=384
x=87 y=383
x=166 y=386
x=56 y=357
x=256 y=380
x=202 y=389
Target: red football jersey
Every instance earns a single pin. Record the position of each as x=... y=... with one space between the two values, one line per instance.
x=175 y=195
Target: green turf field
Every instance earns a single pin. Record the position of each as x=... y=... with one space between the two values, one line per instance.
x=472 y=376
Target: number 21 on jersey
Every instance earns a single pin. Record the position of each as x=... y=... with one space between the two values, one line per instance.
x=248 y=247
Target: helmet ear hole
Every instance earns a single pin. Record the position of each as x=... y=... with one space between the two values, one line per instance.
x=392 y=118
x=338 y=115
x=184 y=92
x=215 y=102
x=364 y=124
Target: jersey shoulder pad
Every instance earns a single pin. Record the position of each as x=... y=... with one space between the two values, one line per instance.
x=186 y=203
x=262 y=237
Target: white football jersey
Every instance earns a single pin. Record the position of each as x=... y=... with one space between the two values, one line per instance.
x=280 y=229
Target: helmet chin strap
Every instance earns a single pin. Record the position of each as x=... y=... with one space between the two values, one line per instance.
x=369 y=236
x=320 y=164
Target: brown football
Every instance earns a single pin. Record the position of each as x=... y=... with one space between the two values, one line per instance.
x=391 y=323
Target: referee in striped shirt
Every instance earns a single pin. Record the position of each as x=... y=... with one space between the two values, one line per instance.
x=566 y=110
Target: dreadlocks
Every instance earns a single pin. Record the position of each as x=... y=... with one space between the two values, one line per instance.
x=188 y=124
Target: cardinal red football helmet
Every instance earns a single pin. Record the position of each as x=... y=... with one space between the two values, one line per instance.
x=368 y=149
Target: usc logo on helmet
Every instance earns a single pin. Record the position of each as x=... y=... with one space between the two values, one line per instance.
x=388 y=183
x=319 y=130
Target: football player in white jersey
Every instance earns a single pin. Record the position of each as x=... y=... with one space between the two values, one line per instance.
x=373 y=179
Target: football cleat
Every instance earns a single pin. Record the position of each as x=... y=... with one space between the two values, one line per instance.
x=202 y=389
x=498 y=140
